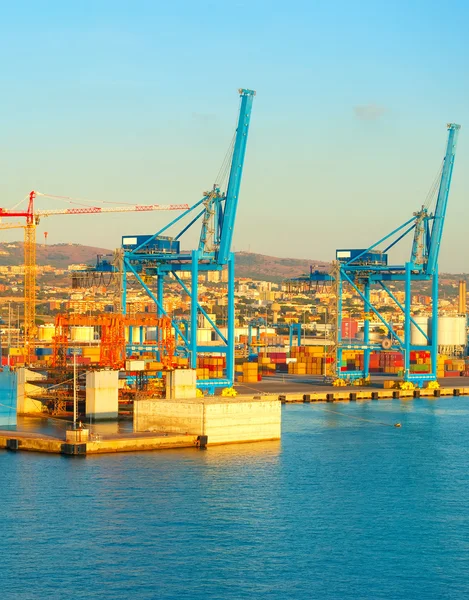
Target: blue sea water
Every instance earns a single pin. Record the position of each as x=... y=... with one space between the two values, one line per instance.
x=346 y=506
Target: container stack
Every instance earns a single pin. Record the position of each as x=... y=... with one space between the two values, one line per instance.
x=181 y=362
x=210 y=367
x=250 y=373
x=454 y=367
x=420 y=362
x=309 y=360
x=351 y=361
x=265 y=365
x=274 y=361
x=440 y=366
x=375 y=366
x=92 y=352
x=391 y=362
x=17 y=357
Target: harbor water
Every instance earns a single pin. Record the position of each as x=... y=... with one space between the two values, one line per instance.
x=346 y=506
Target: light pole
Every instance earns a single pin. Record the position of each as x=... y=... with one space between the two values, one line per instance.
x=9 y=332
x=74 y=390
x=325 y=342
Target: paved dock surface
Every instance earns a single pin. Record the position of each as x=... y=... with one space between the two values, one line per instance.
x=287 y=384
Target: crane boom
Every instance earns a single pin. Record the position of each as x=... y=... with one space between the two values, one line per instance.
x=95 y=210
x=114 y=209
x=442 y=201
x=234 y=182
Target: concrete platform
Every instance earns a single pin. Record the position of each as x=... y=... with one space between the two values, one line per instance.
x=221 y=420
x=132 y=442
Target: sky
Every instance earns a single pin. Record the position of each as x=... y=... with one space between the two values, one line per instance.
x=136 y=102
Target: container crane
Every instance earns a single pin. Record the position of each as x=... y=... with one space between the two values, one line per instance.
x=158 y=256
x=362 y=268
x=33 y=218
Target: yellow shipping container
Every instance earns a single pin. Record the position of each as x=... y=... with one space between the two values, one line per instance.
x=17 y=351
x=91 y=351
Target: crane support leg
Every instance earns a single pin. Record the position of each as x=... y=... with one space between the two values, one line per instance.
x=194 y=304
x=231 y=320
x=366 y=332
x=160 y=294
x=408 y=302
x=338 y=359
x=434 y=345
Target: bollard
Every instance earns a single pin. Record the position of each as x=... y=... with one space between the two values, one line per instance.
x=396 y=395
x=353 y=396
x=456 y=392
x=416 y=394
x=329 y=397
x=374 y=395
x=12 y=445
x=203 y=440
x=73 y=449
x=436 y=393
x=306 y=398
x=283 y=399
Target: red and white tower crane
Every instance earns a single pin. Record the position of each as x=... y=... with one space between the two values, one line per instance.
x=33 y=218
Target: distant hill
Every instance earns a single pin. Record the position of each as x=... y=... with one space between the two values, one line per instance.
x=254 y=266
x=56 y=255
x=271 y=268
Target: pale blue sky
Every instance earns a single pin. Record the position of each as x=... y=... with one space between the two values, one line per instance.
x=136 y=102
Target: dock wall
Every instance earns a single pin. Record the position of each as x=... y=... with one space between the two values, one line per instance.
x=223 y=421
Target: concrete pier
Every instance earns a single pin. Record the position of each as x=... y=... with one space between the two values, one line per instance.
x=221 y=420
x=35 y=442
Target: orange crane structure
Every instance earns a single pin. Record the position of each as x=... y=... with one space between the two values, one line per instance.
x=33 y=218
x=112 y=337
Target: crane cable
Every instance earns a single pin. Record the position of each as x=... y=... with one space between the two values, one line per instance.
x=223 y=171
x=336 y=412
x=430 y=199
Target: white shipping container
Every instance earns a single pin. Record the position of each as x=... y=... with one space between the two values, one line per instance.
x=135 y=365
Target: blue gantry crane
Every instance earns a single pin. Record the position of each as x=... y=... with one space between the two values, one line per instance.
x=362 y=268
x=153 y=260
x=314 y=281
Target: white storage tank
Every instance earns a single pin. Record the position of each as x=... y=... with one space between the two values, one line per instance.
x=82 y=334
x=416 y=336
x=45 y=333
x=135 y=335
x=452 y=331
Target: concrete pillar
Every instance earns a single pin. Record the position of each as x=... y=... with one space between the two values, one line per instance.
x=25 y=389
x=181 y=384
x=102 y=397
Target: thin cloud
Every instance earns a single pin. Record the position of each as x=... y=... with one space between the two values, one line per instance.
x=369 y=112
x=203 y=117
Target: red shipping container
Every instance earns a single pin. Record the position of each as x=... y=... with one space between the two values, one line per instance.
x=349 y=328
x=452 y=374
